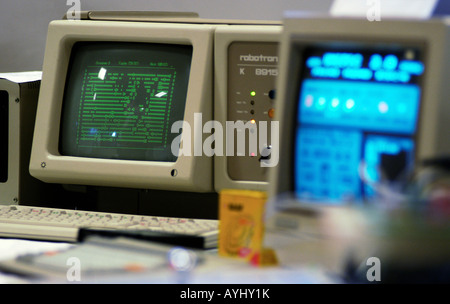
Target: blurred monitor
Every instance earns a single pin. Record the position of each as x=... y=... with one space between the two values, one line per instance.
x=359 y=103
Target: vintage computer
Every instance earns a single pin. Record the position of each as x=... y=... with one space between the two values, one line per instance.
x=121 y=116
x=359 y=103
x=192 y=170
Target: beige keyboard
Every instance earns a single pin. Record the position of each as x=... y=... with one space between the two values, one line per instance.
x=65 y=225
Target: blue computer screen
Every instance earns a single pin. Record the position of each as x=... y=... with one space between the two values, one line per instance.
x=358 y=112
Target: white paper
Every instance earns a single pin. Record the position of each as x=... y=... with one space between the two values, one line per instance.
x=21 y=77
x=376 y=10
x=13 y=248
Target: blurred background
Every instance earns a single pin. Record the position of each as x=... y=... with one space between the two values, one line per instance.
x=23 y=23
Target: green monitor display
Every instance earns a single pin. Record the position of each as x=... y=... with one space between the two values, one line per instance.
x=121 y=100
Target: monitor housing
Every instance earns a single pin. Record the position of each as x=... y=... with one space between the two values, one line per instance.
x=86 y=59
x=355 y=96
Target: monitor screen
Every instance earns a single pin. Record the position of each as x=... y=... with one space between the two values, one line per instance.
x=121 y=100
x=357 y=115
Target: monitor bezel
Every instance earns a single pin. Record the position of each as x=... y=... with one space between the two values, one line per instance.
x=188 y=173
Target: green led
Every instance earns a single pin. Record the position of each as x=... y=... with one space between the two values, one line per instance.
x=252 y=93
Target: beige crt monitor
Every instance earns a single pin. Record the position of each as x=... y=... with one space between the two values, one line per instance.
x=352 y=91
x=111 y=92
x=246 y=67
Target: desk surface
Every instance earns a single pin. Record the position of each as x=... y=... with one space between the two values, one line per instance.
x=213 y=270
